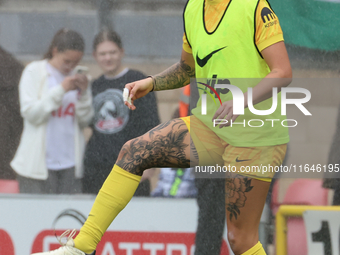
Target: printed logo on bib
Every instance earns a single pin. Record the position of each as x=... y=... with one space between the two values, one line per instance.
x=111 y=113
x=268 y=17
x=203 y=61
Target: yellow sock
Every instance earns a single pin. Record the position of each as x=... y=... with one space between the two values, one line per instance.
x=257 y=249
x=114 y=195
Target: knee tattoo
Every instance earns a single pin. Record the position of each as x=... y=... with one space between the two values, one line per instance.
x=157 y=151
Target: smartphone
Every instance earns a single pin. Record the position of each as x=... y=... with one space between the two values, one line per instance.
x=81 y=70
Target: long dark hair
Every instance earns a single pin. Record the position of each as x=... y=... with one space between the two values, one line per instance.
x=107 y=35
x=66 y=39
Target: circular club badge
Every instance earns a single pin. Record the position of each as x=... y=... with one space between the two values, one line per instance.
x=111 y=115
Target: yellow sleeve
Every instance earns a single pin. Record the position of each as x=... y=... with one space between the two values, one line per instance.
x=268 y=29
x=186 y=45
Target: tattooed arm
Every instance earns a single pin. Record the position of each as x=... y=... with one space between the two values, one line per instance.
x=174 y=77
x=177 y=75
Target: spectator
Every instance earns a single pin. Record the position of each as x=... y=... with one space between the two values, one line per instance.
x=55 y=104
x=10 y=119
x=114 y=123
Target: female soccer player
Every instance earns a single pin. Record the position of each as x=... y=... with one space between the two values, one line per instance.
x=237 y=41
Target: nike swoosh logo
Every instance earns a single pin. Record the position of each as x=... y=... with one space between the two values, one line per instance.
x=203 y=61
x=241 y=160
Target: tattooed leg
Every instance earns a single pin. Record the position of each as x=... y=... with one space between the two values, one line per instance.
x=167 y=145
x=236 y=189
x=245 y=199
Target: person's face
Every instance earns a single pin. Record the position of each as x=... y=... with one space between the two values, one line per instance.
x=109 y=56
x=65 y=61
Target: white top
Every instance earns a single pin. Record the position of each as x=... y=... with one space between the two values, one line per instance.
x=37 y=102
x=60 y=127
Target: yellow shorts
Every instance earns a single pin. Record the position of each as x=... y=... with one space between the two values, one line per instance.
x=255 y=162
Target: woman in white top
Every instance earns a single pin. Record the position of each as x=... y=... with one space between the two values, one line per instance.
x=56 y=105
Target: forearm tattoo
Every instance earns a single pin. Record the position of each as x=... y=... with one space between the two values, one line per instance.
x=236 y=189
x=157 y=150
x=174 y=77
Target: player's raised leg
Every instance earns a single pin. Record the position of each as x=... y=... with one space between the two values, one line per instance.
x=167 y=145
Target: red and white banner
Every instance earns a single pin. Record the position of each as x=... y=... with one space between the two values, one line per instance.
x=147 y=226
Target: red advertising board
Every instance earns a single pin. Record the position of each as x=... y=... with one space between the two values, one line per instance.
x=130 y=243
x=6 y=244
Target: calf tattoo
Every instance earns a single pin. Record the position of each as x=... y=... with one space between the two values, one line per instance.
x=157 y=150
x=236 y=189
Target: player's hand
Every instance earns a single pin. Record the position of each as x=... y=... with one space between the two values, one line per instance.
x=69 y=83
x=225 y=111
x=81 y=82
x=138 y=89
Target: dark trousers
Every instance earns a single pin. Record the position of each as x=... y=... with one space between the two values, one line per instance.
x=211 y=216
